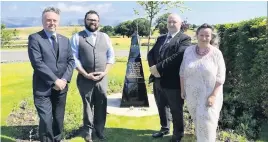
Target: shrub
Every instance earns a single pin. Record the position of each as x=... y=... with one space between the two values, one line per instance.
x=244 y=47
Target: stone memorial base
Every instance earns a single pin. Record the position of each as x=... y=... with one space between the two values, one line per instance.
x=113 y=107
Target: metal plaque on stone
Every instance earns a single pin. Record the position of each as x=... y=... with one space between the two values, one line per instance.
x=134 y=91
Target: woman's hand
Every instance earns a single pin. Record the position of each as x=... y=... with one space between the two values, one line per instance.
x=211 y=100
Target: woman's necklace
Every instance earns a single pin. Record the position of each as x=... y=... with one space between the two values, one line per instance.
x=198 y=52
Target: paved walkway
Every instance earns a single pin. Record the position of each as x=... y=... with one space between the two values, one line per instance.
x=114 y=101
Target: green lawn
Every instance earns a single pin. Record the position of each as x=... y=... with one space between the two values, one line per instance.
x=16 y=88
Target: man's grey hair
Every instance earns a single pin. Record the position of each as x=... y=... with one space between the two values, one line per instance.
x=176 y=15
x=51 y=9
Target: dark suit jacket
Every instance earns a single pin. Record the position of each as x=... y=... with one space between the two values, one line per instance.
x=47 y=67
x=153 y=54
x=168 y=64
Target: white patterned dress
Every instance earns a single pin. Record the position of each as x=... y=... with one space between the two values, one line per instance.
x=200 y=75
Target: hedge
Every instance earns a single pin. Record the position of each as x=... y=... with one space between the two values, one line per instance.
x=245 y=50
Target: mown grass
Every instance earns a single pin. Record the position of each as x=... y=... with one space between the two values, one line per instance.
x=16 y=82
x=16 y=87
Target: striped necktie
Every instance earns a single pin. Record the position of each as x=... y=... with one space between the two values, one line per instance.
x=162 y=48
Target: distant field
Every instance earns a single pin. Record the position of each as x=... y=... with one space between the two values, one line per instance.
x=65 y=30
x=119 y=43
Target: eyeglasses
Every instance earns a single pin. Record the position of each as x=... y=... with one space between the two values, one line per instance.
x=92 y=20
x=172 y=22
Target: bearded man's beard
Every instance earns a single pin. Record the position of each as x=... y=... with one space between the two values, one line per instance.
x=91 y=28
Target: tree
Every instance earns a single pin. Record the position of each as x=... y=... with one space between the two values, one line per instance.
x=185 y=26
x=124 y=28
x=109 y=30
x=6 y=36
x=194 y=26
x=152 y=8
x=142 y=25
x=129 y=27
x=161 y=24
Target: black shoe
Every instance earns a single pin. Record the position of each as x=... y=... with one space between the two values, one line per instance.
x=160 y=134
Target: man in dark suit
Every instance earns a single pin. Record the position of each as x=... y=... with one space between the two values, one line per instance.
x=52 y=61
x=164 y=60
x=161 y=102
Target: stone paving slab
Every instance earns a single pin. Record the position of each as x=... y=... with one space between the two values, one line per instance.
x=113 y=107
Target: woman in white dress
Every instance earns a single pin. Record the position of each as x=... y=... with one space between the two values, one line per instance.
x=202 y=75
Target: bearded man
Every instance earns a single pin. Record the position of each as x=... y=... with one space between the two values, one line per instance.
x=94 y=55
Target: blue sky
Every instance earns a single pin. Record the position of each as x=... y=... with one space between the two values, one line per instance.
x=212 y=12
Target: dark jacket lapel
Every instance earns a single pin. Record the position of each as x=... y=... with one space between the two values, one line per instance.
x=170 y=44
x=46 y=40
x=60 y=42
x=162 y=39
x=161 y=43
x=175 y=38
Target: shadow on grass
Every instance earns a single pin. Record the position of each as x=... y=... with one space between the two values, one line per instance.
x=112 y=134
x=18 y=132
x=129 y=135
x=6 y=139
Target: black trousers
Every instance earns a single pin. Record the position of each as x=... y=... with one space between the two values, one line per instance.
x=51 y=113
x=162 y=105
x=175 y=103
x=93 y=94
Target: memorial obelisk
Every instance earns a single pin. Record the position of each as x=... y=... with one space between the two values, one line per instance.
x=134 y=91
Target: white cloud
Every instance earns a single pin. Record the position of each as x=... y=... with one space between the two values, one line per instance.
x=100 y=8
x=78 y=1
x=13 y=7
